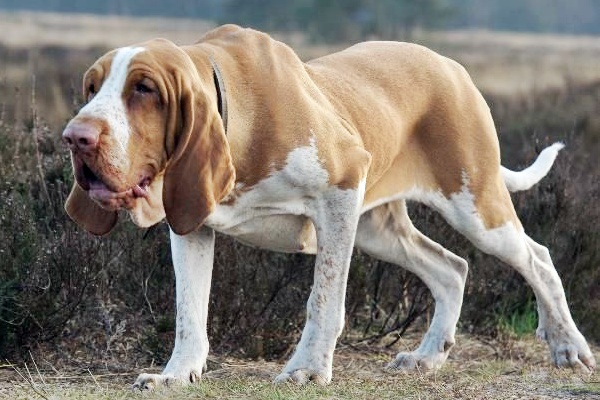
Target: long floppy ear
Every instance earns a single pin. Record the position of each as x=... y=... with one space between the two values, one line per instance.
x=200 y=171
x=87 y=214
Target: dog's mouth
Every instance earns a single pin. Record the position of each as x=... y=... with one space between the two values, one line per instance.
x=105 y=193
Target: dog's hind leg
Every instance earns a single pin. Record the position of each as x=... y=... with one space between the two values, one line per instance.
x=485 y=215
x=387 y=233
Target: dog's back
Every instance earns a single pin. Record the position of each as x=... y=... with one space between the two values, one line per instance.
x=423 y=106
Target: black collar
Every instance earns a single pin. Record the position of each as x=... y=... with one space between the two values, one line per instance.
x=221 y=98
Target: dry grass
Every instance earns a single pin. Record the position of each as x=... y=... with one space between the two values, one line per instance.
x=500 y=63
x=477 y=369
x=503 y=63
x=33 y=29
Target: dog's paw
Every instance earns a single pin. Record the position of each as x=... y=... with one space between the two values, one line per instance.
x=303 y=376
x=414 y=361
x=574 y=353
x=568 y=348
x=149 y=382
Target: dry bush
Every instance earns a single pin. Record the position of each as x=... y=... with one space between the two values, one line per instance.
x=110 y=301
x=48 y=78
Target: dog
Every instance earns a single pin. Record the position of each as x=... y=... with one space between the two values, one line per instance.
x=236 y=134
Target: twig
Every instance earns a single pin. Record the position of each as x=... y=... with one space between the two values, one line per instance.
x=31 y=382
x=93 y=377
x=146 y=299
x=35 y=127
x=36 y=368
x=80 y=377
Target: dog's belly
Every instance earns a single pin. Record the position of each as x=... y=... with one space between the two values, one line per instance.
x=286 y=233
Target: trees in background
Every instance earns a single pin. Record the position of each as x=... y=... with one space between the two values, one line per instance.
x=340 y=20
x=349 y=20
x=206 y=9
x=573 y=16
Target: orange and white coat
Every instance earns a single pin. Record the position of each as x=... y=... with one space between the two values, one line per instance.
x=318 y=157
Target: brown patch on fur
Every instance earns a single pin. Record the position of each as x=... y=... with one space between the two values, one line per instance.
x=199 y=171
x=422 y=120
x=270 y=80
x=411 y=119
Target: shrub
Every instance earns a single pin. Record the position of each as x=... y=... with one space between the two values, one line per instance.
x=110 y=301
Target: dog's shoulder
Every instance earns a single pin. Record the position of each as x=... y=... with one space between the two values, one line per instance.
x=221 y=32
x=247 y=44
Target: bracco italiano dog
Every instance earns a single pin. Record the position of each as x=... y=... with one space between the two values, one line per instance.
x=235 y=134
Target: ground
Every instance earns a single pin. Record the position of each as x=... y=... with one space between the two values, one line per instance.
x=476 y=369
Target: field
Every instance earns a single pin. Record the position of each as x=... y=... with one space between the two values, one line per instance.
x=477 y=369
x=80 y=316
x=61 y=47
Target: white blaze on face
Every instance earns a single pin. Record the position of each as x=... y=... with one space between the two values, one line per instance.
x=108 y=103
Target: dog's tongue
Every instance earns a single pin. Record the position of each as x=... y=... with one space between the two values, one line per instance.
x=97 y=186
x=140 y=191
x=104 y=196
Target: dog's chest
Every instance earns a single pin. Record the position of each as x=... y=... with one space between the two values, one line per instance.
x=279 y=232
x=256 y=218
x=273 y=213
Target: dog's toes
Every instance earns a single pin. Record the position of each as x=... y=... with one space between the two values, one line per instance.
x=282 y=378
x=301 y=377
x=571 y=350
x=149 y=382
x=402 y=362
x=146 y=382
x=570 y=356
x=589 y=362
x=406 y=362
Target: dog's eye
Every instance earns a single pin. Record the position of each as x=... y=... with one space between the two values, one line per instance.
x=142 y=88
x=143 y=92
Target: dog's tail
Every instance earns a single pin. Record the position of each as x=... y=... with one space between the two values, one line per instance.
x=525 y=179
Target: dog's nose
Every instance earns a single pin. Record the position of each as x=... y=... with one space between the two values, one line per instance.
x=81 y=137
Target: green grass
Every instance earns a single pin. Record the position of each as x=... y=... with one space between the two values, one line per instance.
x=521 y=321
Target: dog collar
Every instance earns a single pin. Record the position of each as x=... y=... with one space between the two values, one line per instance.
x=221 y=93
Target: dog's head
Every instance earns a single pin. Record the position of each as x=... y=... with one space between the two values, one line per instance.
x=149 y=140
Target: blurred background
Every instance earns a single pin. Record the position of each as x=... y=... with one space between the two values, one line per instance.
x=71 y=298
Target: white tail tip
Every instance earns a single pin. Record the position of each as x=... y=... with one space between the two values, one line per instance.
x=525 y=179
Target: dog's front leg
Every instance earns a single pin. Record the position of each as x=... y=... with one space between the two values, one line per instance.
x=193 y=261
x=335 y=218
